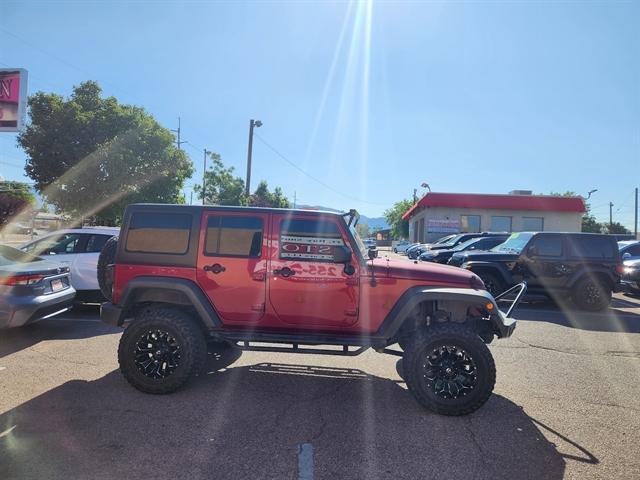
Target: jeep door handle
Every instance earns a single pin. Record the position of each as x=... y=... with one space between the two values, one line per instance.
x=215 y=268
x=284 y=272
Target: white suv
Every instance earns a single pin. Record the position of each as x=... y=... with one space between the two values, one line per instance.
x=78 y=248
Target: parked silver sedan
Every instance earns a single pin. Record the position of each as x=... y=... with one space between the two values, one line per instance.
x=31 y=288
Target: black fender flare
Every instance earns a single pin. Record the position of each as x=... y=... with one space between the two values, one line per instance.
x=583 y=272
x=498 y=268
x=170 y=290
x=416 y=295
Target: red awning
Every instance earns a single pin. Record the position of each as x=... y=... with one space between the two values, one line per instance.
x=540 y=203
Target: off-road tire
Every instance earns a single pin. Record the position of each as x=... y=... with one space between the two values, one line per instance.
x=105 y=274
x=181 y=327
x=591 y=294
x=451 y=335
x=494 y=284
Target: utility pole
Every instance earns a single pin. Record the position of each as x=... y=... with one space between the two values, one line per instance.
x=635 y=217
x=295 y=198
x=178 y=142
x=204 y=172
x=191 y=199
x=252 y=124
x=610 y=215
x=415 y=195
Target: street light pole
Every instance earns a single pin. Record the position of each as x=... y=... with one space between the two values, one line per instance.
x=610 y=215
x=252 y=124
x=204 y=172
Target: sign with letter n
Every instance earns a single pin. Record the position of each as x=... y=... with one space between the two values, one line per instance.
x=13 y=99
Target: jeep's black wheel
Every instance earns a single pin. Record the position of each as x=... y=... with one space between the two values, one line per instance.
x=591 y=294
x=494 y=284
x=105 y=270
x=161 y=350
x=449 y=369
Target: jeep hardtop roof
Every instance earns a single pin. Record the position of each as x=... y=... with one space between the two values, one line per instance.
x=199 y=208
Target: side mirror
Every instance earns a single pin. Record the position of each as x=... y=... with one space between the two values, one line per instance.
x=532 y=251
x=341 y=254
x=626 y=256
x=373 y=253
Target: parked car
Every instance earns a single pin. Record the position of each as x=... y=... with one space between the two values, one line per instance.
x=370 y=243
x=450 y=242
x=631 y=275
x=187 y=276
x=585 y=267
x=77 y=248
x=476 y=244
x=629 y=249
x=401 y=246
x=31 y=288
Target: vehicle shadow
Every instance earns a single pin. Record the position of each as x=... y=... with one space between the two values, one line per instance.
x=248 y=422
x=81 y=322
x=613 y=319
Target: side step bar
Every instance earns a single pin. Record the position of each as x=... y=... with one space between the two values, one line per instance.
x=295 y=348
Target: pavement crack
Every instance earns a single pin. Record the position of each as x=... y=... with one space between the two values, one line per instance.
x=57 y=359
x=468 y=426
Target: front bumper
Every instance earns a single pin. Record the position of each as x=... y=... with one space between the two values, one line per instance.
x=17 y=310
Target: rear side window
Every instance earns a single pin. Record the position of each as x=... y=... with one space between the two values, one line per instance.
x=151 y=232
x=234 y=236
x=592 y=247
x=96 y=242
x=311 y=240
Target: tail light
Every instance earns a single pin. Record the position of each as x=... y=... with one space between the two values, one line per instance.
x=620 y=269
x=21 y=280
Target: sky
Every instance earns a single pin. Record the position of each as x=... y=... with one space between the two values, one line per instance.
x=361 y=102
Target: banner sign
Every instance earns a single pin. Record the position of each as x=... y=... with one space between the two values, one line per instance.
x=437 y=225
x=308 y=248
x=13 y=99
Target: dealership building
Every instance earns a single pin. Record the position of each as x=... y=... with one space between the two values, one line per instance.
x=438 y=214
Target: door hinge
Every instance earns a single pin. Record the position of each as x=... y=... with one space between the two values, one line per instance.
x=258 y=276
x=257 y=307
x=351 y=312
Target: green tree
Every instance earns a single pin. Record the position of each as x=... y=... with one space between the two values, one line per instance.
x=262 y=197
x=393 y=215
x=90 y=156
x=15 y=199
x=363 y=230
x=617 y=228
x=221 y=185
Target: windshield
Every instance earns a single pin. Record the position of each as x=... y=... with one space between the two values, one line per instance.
x=514 y=244
x=451 y=242
x=465 y=245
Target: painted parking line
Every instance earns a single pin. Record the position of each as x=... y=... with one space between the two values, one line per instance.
x=305 y=461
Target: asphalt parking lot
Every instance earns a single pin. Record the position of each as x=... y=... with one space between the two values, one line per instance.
x=566 y=405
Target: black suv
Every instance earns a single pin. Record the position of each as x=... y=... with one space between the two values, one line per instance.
x=583 y=266
x=475 y=244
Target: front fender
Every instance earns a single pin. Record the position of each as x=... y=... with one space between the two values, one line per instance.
x=497 y=268
x=502 y=326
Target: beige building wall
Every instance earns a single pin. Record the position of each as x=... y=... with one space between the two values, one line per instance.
x=553 y=221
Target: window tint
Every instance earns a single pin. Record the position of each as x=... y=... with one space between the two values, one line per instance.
x=96 y=242
x=235 y=236
x=500 y=224
x=312 y=240
x=634 y=250
x=159 y=233
x=591 y=247
x=470 y=223
x=547 y=246
x=532 y=224
x=56 y=245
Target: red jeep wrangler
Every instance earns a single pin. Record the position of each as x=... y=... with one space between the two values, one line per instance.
x=181 y=277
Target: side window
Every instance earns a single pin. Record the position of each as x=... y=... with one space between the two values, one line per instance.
x=591 y=247
x=634 y=250
x=234 y=236
x=56 y=245
x=310 y=240
x=96 y=242
x=151 y=232
x=547 y=246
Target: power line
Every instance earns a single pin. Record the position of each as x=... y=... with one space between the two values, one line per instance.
x=274 y=150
